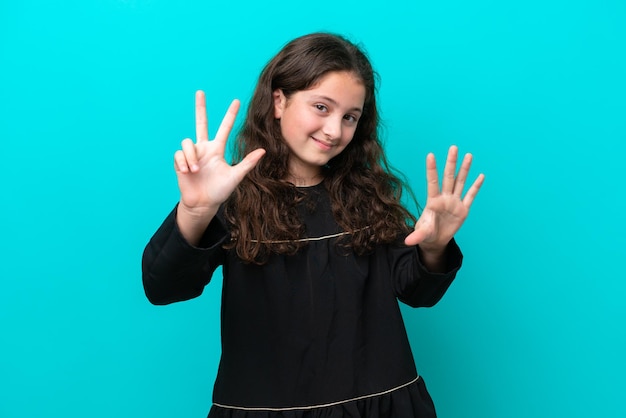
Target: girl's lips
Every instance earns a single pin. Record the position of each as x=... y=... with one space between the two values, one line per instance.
x=324 y=145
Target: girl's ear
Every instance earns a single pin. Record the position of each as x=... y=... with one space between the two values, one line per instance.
x=279 y=103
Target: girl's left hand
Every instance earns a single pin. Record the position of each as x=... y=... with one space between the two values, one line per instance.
x=446 y=208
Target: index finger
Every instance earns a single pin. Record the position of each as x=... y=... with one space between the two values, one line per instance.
x=202 y=124
x=432 y=178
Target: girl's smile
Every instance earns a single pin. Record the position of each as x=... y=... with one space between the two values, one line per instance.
x=323 y=144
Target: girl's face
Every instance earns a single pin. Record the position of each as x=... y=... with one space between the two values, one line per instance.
x=318 y=123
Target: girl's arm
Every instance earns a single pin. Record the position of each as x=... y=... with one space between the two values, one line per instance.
x=182 y=255
x=434 y=261
x=422 y=276
x=415 y=283
x=175 y=270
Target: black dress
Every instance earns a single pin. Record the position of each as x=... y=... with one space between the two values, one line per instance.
x=316 y=334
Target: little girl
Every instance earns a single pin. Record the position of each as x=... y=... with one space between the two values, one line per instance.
x=315 y=246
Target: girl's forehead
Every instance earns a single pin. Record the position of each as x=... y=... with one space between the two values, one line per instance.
x=343 y=88
x=333 y=76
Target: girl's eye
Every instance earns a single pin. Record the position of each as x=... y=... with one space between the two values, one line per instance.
x=321 y=108
x=350 y=118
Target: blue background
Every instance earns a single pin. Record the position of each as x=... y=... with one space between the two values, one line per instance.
x=97 y=95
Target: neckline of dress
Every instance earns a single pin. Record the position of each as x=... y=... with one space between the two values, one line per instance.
x=310 y=187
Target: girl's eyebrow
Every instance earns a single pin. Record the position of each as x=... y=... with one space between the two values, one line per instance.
x=334 y=103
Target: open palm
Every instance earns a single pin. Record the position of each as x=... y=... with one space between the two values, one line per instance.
x=446 y=208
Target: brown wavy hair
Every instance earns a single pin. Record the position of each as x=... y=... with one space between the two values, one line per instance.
x=364 y=192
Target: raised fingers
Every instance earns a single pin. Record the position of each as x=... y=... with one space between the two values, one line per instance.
x=202 y=124
x=227 y=122
x=461 y=177
x=452 y=182
x=432 y=178
x=473 y=190
x=447 y=185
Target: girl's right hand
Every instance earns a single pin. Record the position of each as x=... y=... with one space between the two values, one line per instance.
x=205 y=179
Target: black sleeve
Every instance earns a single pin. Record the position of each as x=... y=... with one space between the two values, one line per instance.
x=414 y=284
x=173 y=270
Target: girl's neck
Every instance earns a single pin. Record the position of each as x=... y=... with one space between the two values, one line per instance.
x=300 y=181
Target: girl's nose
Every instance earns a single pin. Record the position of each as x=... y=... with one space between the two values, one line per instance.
x=332 y=128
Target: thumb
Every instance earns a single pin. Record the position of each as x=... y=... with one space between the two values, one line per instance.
x=415 y=237
x=248 y=163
